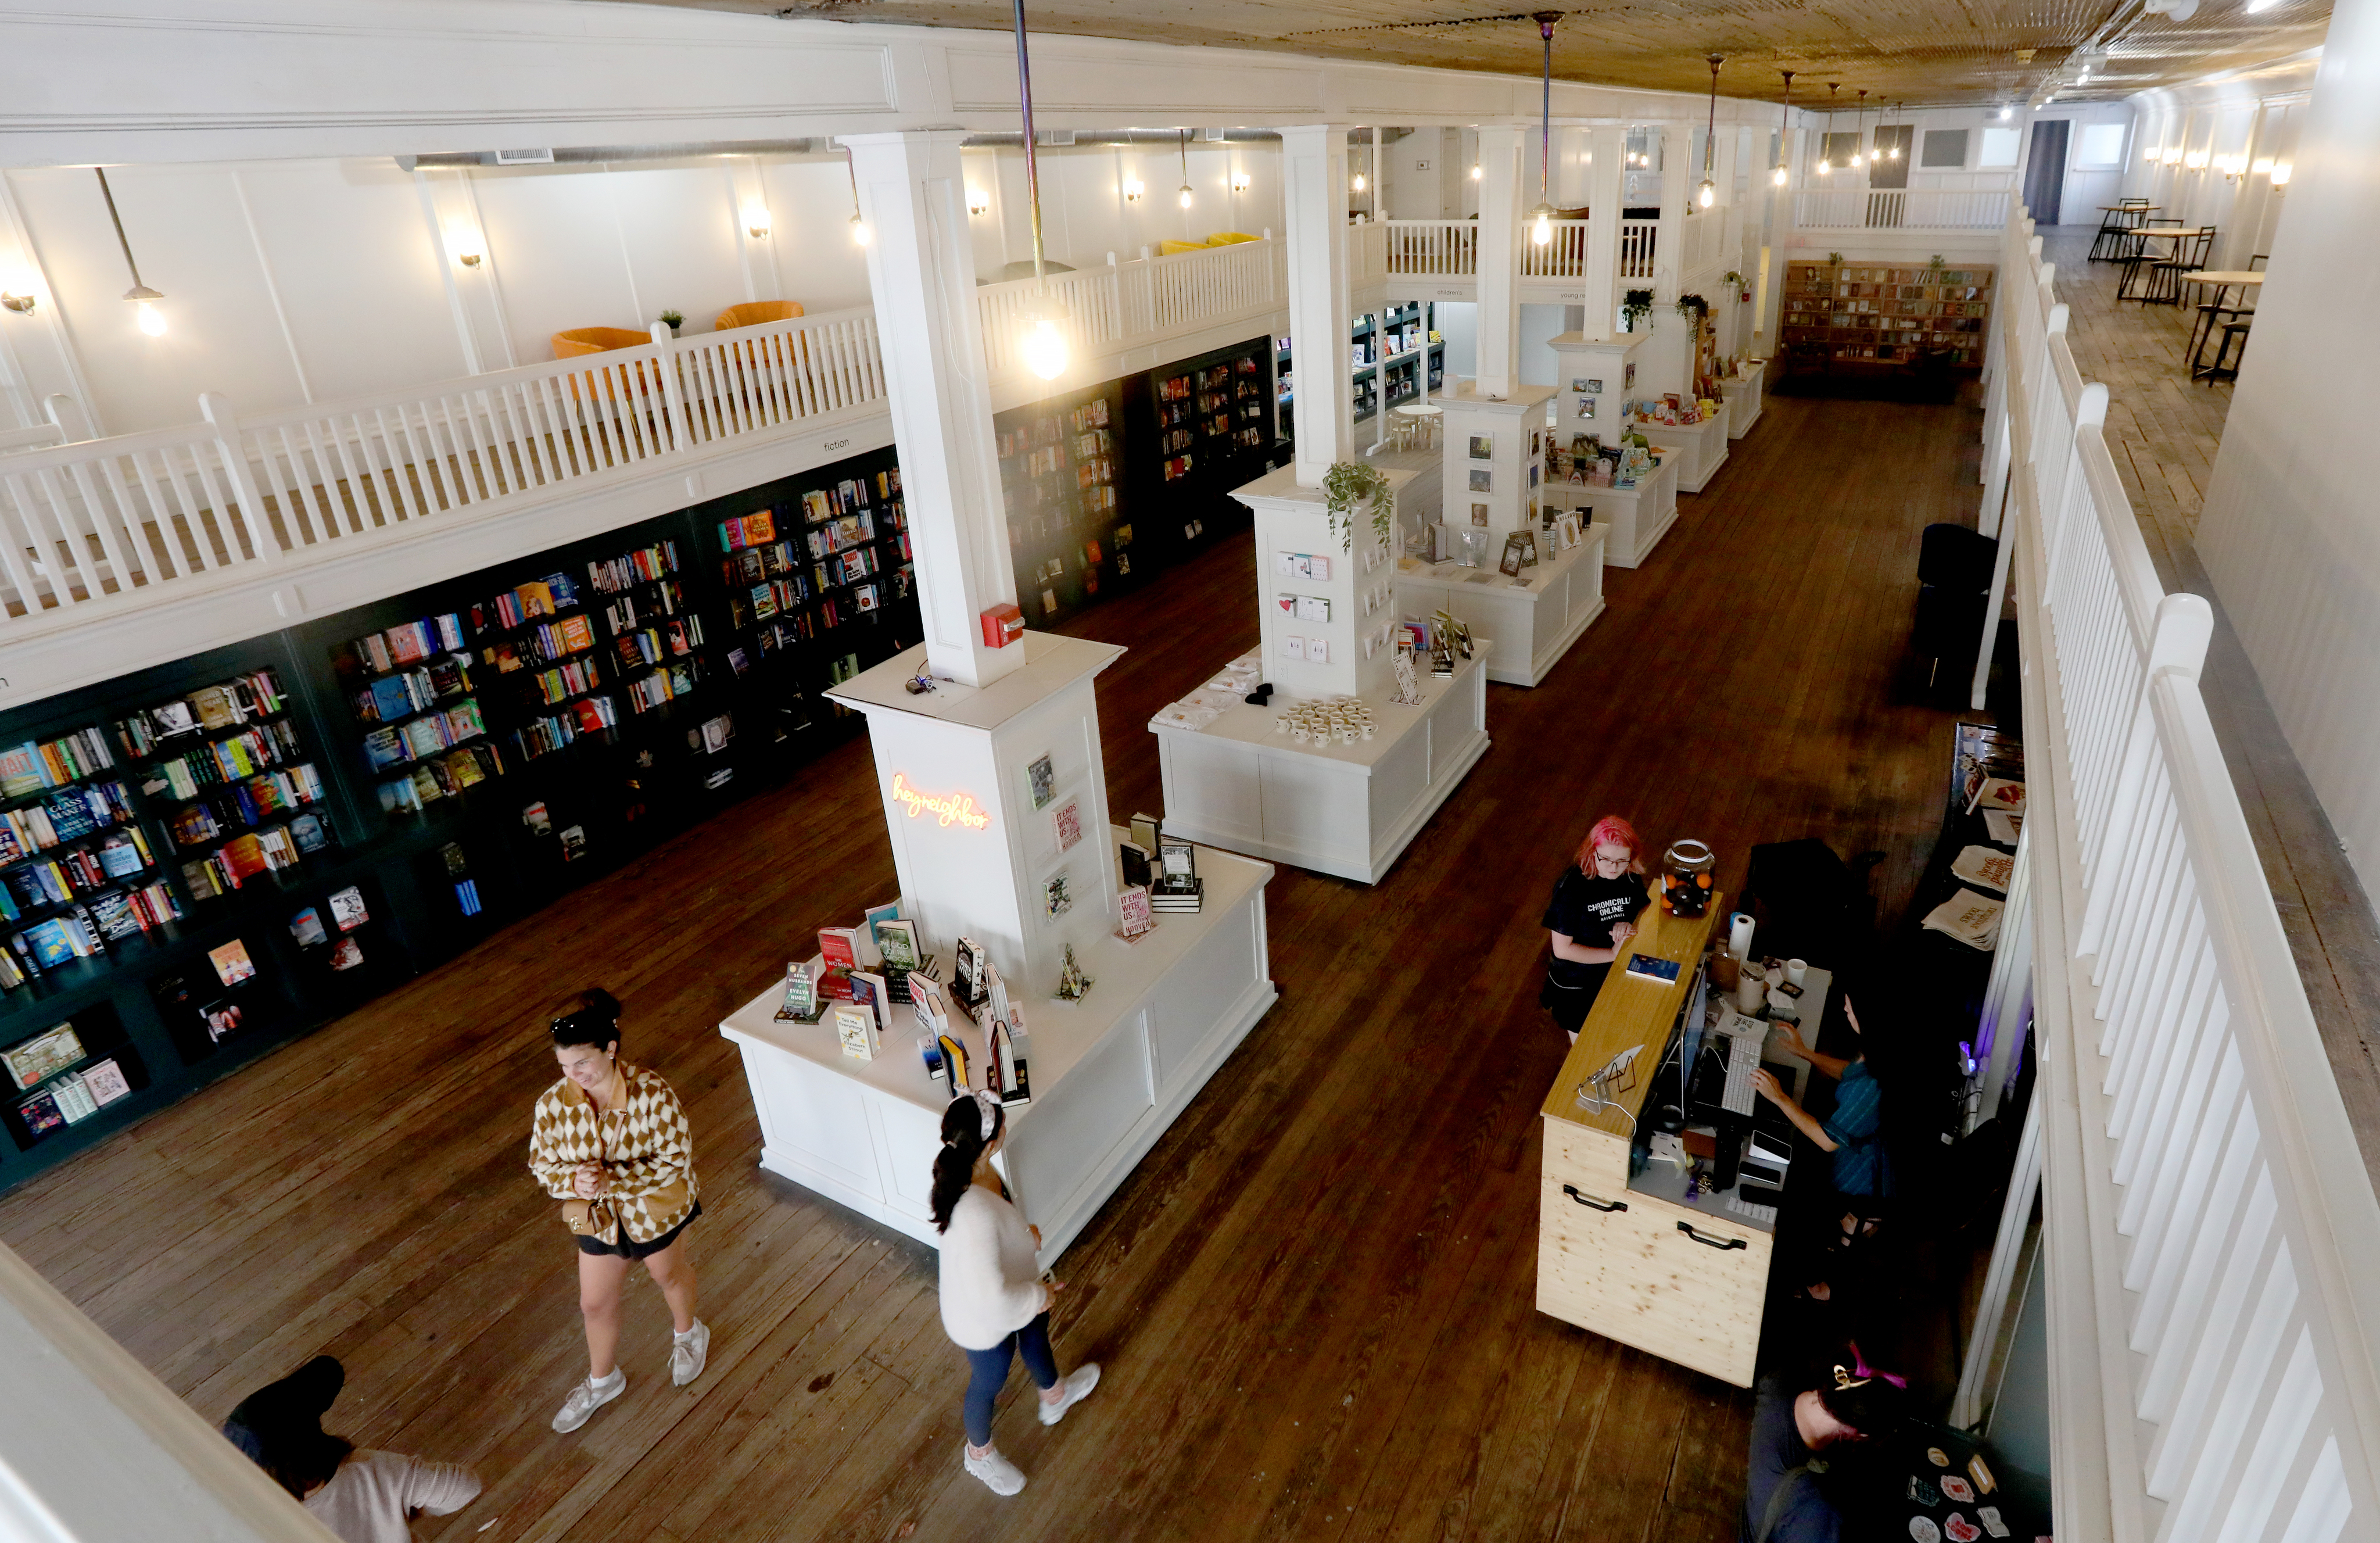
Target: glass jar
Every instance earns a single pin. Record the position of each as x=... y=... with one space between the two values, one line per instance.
x=1686 y=878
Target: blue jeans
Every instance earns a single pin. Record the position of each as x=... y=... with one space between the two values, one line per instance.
x=990 y=1374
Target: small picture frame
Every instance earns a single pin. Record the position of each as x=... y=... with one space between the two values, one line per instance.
x=1482 y=480
x=1628 y=376
x=1041 y=780
x=1537 y=442
x=1586 y=407
x=1592 y=386
x=1483 y=449
x=1480 y=514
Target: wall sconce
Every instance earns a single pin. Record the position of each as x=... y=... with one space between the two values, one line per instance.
x=21 y=304
x=2264 y=166
x=464 y=246
x=2150 y=155
x=756 y=221
x=1475 y=171
x=2173 y=155
x=1133 y=188
x=2281 y=174
x=1242 y=182
x=978 y=202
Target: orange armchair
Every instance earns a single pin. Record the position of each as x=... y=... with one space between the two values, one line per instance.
x=596 y=340
x=752 y=313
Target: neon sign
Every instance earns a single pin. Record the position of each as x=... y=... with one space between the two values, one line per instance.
x=948 y=809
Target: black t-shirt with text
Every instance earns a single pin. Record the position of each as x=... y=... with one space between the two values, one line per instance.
x=1585 y=908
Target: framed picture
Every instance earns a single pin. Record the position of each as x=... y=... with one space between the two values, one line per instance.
x=1578 y=383
x=1586 y=406
x=1481 y=479
x=1537 y=442
x=1592 y=387
x=1041 y=777
x=1628 y=376
x=1483 y=447
x=1480 y=514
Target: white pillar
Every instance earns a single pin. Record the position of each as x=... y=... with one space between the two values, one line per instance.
x=1607 y=181
x=921 y=272
x=1671 y=147
x=1314 y=214
x=1498 y=347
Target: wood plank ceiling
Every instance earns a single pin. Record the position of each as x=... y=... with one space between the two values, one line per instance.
x=1918 y=52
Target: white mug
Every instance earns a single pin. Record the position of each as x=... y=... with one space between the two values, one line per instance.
x=1795 y=969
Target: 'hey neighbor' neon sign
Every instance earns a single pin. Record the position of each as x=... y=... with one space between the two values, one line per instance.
x=948 y=809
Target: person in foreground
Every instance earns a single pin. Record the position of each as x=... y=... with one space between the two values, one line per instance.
x=610 y=1142
x=362 y=1497
x=1784 y=1499
x=1591 y=917
x=995 y=1304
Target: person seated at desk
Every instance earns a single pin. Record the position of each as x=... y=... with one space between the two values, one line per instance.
x=1784 y=1500
x=1861 y=1174
x=1593 y=914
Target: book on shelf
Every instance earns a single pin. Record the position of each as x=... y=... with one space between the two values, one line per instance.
x=897 y=942
x=74 y=1099
x=40 y=1115
x=43 y=1056
x=856 y=1030
x=954 y=1061
x=105 y=1082
x=969 y=968
x=232 y=963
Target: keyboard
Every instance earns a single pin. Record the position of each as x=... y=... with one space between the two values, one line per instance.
x=1743 y=1060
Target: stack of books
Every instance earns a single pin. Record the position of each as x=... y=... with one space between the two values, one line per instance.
x=1183 y=897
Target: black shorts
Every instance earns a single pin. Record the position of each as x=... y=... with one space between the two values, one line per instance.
x=628 y=1247
x=1568 y=1005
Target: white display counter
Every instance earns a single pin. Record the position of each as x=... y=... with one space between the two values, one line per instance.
x=1744 y=395
x=1109 y=1073
x=1699 y=449
x=1639 y=516
x=1531 y=627
x=1342 y=809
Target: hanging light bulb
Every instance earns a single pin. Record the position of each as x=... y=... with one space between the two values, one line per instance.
x=1541 y=225
x=1183 y=141
x=1827 y=135
x=147 y=318
x=1895 y=151
x=1043 y=345
x=1707 y=194
x=1541 y=233
x=1859 y=132
x=860 y=234
x=1475 y=171
x=1777 y=176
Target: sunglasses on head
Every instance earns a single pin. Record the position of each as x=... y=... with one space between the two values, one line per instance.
x=586 y=1027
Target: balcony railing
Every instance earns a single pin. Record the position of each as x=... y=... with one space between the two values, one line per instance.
x=1638 y=241
x=1562 y=257
x=2211 y=1234
x=1899 y=209
x=98 y=528
x=1433 y=248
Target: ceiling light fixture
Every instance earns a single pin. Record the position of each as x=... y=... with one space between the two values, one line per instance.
x=1778 y=173
x=148 y=317
x=2006 y=112
x=860 y=234
x=1043 y=345
x=1827 y=135
x=2254 y=6
x=1541 y=232
x=1183 y=143
x=1859 y=132
x=1707 y=194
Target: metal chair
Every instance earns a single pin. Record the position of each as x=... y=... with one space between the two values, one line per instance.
x=2189 y=257
x=2214 y=313
x=2139 y=252
x=2222 y=369
x=2114 y=224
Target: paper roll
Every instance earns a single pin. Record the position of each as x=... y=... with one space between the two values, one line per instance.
x=1751 y=992
x=1738 y=935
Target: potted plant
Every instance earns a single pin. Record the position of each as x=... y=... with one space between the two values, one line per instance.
x=1634 y=304
x=1346 y=484
x=672 y=319
x=1934 y=266
x=1693 y=308
x=1743 y=284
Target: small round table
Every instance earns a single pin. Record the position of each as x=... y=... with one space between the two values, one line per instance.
x=1422 y=419
x=2224 y=280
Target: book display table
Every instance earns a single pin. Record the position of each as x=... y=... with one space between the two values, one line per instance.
x=1532 y=627
x=1110 y=1073
x=1342 y=809
x=1743 y=399
x=1639 y=516
x=1701 y=448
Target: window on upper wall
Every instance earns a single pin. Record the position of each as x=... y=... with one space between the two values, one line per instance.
x=1836 y=150
x=1999 y=148
x=1945 y=147
x=2100 y=148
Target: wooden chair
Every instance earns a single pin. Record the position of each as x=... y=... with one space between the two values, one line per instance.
x=2189 y=257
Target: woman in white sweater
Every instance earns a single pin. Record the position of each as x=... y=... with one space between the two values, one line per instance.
x=995 y=1304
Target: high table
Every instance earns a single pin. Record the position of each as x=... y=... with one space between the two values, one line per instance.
x=2224 y=280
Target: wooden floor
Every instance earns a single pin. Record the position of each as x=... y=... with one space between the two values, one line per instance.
x=2164 y=429
x=1313 y=1301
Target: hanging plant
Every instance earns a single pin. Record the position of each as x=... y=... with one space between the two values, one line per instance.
x=1634 y=304
x=1934 y=266
x=1835 y=259
x=1731 y=277
x=1693 y=308
x=1346 y=484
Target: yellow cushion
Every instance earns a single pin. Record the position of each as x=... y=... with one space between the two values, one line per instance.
x=1171 y=249
x=752 y=313
x=1230 y=239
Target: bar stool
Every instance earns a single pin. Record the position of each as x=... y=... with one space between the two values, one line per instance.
x=2189 y=257
x=2214 y=313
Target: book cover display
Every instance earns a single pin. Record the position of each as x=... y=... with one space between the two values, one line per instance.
x=1061 y=472
x=1885 y=315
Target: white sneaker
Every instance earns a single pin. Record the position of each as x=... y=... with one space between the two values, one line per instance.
x=999 y=1475
x=588 y=1397
x=688 y=1353
x=1078 y=1385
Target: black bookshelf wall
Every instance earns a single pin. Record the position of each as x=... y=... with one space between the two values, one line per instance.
x=1108 y=486
x=686 y=658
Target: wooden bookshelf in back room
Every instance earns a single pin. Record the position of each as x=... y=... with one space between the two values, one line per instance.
x=1871 y=313
x=1062 y=473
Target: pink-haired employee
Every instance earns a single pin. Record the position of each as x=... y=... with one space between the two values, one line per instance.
x=1592 y=913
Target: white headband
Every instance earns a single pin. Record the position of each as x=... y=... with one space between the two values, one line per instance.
x=989 y=1101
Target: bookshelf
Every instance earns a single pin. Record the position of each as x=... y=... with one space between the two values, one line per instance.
x=1385 y=352
x=1863 y=312
x=1062 y=473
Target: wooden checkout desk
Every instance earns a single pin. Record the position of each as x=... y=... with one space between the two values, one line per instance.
x=1632 y=1260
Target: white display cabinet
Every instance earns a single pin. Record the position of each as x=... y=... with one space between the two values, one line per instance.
x=1529 y=628
x=1637 y=518
x=1743 y=394
x=1326 y=601
x=1701 y=448
x=1597 y=375
x=1492 y=465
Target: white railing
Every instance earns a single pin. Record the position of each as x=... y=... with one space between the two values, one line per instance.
x=131 y=520
x=1638 y=242
x=2212 y=1238
x=1563 y=256
x=1705 y=241
x=1368 y=254
x=1899 y=209
x=1432 y=248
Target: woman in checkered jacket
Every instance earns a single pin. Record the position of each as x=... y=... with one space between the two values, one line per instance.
x=610 y=1142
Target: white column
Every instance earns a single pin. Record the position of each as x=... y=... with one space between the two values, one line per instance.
x=921 y=272
x=1497 y=357
x=1314 y=214
x=1606 y=178
x=1672 y=147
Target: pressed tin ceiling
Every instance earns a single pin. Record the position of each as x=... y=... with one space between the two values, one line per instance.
x=1919 y=52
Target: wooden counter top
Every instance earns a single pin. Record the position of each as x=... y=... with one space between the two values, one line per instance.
x=1633 y=1011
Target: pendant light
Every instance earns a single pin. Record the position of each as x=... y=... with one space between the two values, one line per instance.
x=1358 y=185
x=1778 y=175
x=860 y=234
x=1894 y=153
x=1184 y=146
x=1541 y=227
x=1859 y=133
x=1827 y=135
x=1707 y=194
x=1044 y=346
x=148 y=317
